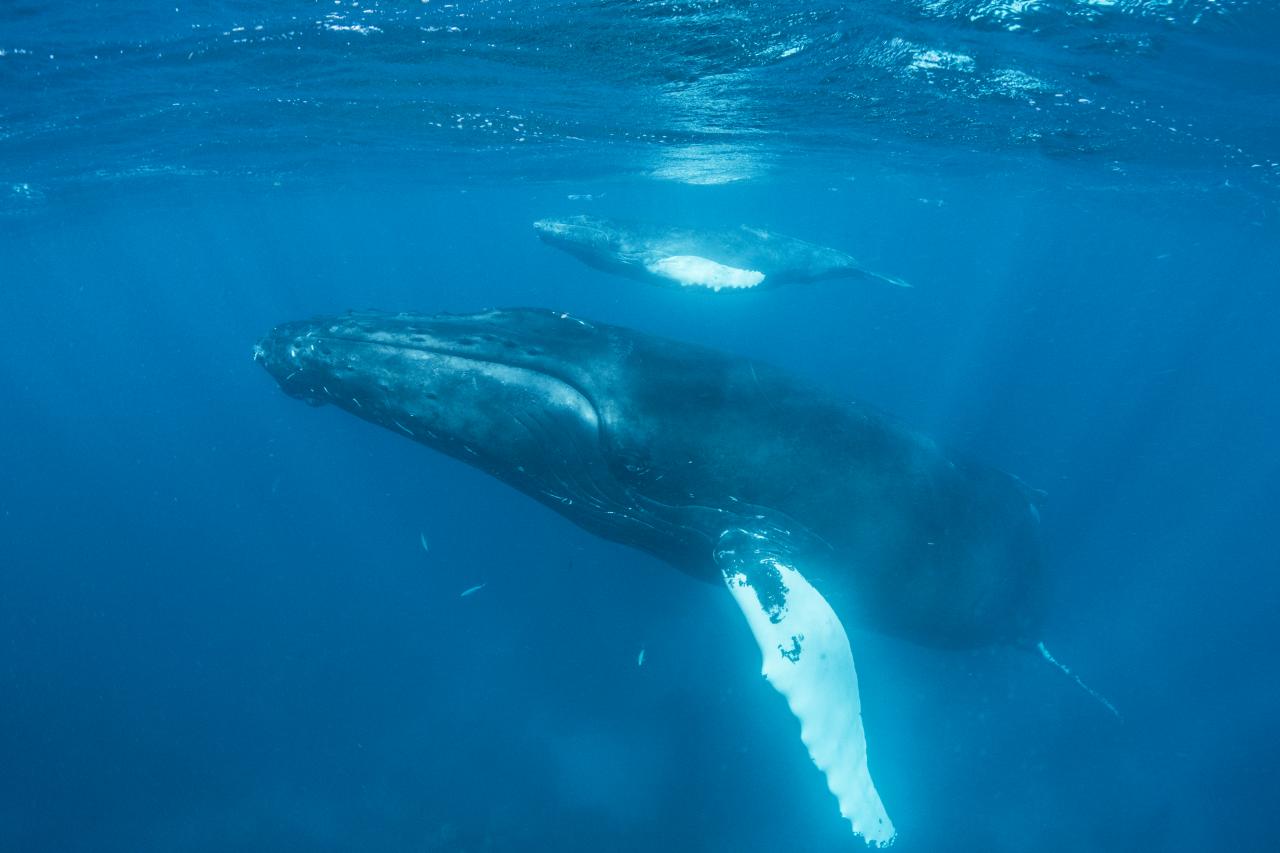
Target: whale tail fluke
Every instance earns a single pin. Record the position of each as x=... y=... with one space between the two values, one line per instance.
x=1102 y=700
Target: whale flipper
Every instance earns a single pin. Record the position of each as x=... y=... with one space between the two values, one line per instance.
x=697 y=271
x=808 y=660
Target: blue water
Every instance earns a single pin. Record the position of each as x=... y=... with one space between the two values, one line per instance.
x=218 y=627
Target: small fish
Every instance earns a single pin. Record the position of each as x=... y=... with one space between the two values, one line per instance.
x=472 y=590
x=422 y=537
x=640 y=659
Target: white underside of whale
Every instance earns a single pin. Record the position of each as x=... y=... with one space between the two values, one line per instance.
x=696 y=271
x=808 y=660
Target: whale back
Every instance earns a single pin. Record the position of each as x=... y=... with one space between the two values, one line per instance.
x=922 y=542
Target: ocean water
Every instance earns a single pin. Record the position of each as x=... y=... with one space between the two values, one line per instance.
x=219 y=629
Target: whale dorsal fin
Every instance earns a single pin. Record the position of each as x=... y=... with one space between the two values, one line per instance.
x=808 y=660
x=697 y=271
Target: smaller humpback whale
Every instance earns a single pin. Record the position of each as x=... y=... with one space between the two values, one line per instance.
x=739 y=259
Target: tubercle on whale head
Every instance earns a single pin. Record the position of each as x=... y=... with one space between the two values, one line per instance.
x=286 y=353
x=549 y=227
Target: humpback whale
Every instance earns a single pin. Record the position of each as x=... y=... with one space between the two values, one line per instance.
x=742 y=258
x=810 y=510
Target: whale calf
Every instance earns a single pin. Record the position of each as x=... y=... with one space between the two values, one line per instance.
x=810 y=510
x=734 y=259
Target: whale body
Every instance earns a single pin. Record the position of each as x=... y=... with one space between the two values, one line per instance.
x=809 y=509
x=733 y=259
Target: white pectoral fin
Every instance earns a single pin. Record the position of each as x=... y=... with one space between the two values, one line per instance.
x=808 y=660
x=695 y=271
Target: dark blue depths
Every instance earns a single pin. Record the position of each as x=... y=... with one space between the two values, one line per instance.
x=219 y=629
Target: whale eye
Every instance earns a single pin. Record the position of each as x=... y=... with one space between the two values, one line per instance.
x=633 y=467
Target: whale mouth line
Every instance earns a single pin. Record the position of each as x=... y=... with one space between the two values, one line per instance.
x=514 y=364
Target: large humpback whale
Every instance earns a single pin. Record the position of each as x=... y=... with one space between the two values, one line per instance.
x=809 y=509
x=742 y=258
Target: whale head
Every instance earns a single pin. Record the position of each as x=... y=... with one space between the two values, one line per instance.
x=528 y=396
x=579 y=231
x=596 y=242
x=481 y=386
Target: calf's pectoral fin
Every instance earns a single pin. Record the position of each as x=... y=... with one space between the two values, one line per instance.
x=808 y=660
x=695 y=271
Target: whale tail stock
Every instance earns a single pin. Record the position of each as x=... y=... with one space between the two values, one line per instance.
x=849 y=265
x=1061 y=667
x=896 y=282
